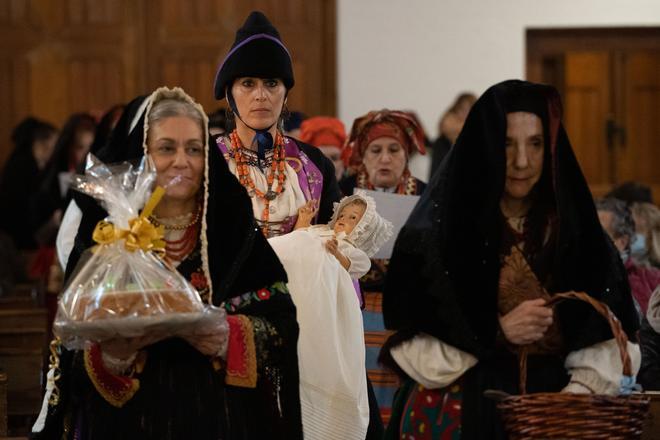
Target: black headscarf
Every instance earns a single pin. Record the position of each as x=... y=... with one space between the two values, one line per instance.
x=444 y=272
x=235 y=255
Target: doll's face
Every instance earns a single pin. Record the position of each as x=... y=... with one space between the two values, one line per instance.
x=349 y=217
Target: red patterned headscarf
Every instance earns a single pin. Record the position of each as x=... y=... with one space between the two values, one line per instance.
x=402 y=126
x=323 y=130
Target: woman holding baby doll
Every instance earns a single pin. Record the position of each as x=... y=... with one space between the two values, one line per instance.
x=321 y=262
x=235 y=384
x=280 y=173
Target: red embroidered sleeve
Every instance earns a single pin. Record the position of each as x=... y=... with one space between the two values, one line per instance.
x=116 y=390
x=241 y=353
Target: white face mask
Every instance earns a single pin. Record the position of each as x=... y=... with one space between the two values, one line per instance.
x=638 y=245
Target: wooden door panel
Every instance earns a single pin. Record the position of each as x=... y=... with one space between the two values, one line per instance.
x=62 y=56
x=639 y=158
x=586 y=105
x=190 y=59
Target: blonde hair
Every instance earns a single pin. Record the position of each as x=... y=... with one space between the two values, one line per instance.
x=360 y=202
x=651 y=214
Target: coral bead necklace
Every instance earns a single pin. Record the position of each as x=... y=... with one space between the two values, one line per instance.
x=277 y=170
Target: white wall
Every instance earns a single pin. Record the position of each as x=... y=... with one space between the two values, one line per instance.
x=419 y=54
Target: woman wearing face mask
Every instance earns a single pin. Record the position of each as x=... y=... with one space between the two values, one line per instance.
x=202 y=386
x=280 y=174
x=508 y=221
x=645 y=247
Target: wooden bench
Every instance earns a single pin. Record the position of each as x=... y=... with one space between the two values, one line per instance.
x=3 y=404
x=23 y=341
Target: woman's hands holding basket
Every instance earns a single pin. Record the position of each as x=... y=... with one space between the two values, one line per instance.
x=527 y=322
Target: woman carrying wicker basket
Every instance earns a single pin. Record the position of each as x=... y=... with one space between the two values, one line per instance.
x=508 y=222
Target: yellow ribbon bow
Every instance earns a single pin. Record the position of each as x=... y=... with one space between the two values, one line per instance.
x=141 y=233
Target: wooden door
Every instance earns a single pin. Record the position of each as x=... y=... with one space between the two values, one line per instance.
x=188 y=40
x=638 y=154
x=587 y=103
x=610 y=83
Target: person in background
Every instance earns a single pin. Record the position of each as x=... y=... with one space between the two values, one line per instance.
x=12 y=269
x=378 y=148
x=219 y=124
x=328 y=135
x=645 y=248
x=420 y=164
x=631 y=192
x=617 y=220
x=34 y=143
x=104 y=129
x=649 y=343
x=449 y=127
x=292 y=122
x=70 y=150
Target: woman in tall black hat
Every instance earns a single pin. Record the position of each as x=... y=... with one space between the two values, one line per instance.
x=508 y=221
x=203 y=386
x=280 y=173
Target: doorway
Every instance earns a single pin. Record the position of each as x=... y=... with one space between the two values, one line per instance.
x=609 y=80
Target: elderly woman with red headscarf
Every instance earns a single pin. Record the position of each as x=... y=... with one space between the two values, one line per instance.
x=328 y=135
x=378 y=150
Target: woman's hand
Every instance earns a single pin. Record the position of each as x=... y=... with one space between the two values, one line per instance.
x=209 y=344
x=306 y=214
x=212 y=339
x=527 y=323
x=125 y=348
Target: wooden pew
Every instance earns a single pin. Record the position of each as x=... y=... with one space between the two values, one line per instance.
x=23 y=341
x=3 y=404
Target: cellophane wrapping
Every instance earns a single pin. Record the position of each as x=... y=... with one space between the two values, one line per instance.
x=120 y=293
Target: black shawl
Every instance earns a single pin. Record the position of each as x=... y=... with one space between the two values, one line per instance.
x=443 y=275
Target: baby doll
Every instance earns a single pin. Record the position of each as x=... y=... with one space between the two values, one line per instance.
x=355 y=232
x=321 y=263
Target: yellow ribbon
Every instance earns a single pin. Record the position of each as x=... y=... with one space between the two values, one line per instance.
x=141 y=233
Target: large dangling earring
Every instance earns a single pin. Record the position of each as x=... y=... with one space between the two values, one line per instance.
x=286 y=114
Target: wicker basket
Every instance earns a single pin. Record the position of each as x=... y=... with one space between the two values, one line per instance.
x=576 y=416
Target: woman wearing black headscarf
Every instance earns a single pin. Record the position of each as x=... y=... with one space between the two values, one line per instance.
x=183 y=390
x=507 y=222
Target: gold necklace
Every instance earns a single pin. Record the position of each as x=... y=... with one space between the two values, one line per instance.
x=183 y=227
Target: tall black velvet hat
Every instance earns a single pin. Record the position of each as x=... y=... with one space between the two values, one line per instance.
x=257 y=51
